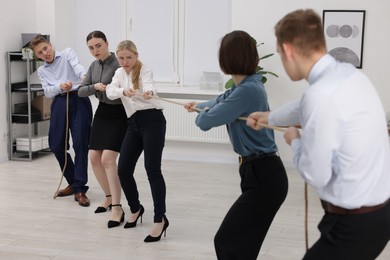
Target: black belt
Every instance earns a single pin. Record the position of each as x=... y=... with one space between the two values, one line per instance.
x=329 y=207
x=148 y=110
x=70 y=93
x=246 y=159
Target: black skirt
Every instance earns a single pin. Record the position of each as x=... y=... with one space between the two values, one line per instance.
x=108 y=127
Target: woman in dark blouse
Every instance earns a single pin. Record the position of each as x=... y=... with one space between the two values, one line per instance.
x=108 y=127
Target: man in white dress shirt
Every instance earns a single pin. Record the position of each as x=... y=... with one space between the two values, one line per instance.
x=342 y=150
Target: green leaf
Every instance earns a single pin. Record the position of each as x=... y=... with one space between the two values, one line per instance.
x=267 y=56
x=268 y=72
x=229 y=84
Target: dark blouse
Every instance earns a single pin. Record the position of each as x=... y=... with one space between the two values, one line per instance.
x=100 y=72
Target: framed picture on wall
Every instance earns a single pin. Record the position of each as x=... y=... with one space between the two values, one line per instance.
x=344 y=34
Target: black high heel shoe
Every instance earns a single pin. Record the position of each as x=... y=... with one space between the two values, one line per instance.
x=149 y=238
x=114 y=223
x=133 y=224
x=101 y=209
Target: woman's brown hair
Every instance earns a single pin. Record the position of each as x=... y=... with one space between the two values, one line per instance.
x=238 y=54
x=96 y=34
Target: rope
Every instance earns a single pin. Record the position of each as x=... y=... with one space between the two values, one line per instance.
x=65 y=146
x=199 y=110
x=173 y=102
x=306 y=219
x=280 y=129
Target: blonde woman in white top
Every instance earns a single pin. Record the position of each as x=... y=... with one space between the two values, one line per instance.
x=133 y=83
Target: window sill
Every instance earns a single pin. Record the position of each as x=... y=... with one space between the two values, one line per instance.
x=188 y=92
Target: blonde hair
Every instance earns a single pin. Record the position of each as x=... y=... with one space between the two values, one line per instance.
x=130 y=46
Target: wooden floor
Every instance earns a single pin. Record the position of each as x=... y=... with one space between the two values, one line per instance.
x=33 y=225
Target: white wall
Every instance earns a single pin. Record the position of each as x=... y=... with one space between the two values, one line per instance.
x=255 y=16
x=45 y=17
x=259 y=17
x=17 y=17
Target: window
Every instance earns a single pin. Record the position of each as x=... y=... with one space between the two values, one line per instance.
x=152 y=29
x=179 y=39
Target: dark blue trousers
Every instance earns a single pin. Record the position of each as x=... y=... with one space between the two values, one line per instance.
x=79 y=123
x=145 y=132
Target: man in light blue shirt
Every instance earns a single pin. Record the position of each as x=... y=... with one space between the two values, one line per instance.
x=342 y=150
x=60 y=77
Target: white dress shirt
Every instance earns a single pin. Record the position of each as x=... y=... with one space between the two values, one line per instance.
x=286 y=115
x=343 y=151
x=122 y=80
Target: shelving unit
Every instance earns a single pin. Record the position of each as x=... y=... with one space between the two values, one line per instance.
x=24 y=122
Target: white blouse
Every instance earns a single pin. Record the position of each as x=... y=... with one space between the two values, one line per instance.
x=122 y=81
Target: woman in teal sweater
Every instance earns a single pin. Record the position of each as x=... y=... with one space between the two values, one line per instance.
x=264 y=181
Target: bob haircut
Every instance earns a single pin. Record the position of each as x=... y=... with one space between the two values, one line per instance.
x=238 y=54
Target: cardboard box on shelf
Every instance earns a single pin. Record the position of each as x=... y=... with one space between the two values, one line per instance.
x=43 y=104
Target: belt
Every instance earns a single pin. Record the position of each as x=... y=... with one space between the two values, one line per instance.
x=330 y=208
x=147 y=110
x=246 y=159
x=70 y=93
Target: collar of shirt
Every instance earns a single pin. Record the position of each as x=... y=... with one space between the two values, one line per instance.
x=56 y=55
x=109 y=59
x=319 y=67
x=248 y=78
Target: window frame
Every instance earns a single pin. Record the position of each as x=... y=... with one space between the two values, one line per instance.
x=178 y=41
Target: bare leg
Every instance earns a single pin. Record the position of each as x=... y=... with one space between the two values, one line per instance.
x=100 y=174
x=133 y=216
x=157 y=229
x=111 y=170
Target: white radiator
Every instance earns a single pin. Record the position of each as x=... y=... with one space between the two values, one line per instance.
x=181 y=125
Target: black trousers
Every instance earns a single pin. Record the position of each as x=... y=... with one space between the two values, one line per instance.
x=145 y=132
x=264 y=188
x=357 y=237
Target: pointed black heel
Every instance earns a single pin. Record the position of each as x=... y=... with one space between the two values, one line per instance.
x=101 y=209
x=134 y=224
x=149 y=238
x=114 y=223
